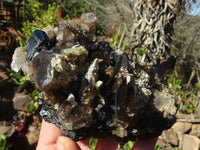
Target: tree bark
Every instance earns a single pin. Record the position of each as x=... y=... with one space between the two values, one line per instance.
x=152 y=28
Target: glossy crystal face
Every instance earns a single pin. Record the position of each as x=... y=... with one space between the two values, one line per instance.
x=89 y=89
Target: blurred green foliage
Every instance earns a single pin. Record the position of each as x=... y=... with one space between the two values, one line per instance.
x=142 y=51
x=187 y=97
x=33 y=107
x=157 y=147
x=120 y=39
x=74 y=9
x=37 y=16
x=93 y=143
x=3 y=143
x=16 y=78
x=128 y=145
x=197 y=85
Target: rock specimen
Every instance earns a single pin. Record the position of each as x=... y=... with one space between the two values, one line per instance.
x=90 y=90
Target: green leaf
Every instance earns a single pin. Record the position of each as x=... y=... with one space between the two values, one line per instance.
x=93 y=143
x=197 y=85
x=16 y=78
x=128 y=145
x=131 y=143
x=32 y=108
x=125 y=43
x=3 y=143
x=37 y=17
x=157 y=147
x=142 y=51
x=34 y=95
x=122 y=37
x=119 y=27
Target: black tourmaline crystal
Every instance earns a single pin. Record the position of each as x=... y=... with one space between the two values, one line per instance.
x=36 y=39
x=88 y=89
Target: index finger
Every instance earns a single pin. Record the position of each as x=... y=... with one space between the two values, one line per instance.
x=49 y=134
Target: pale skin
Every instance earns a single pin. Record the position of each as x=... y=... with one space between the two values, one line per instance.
x=51 y=139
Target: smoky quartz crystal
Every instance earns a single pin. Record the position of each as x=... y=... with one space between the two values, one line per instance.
x=89 y=89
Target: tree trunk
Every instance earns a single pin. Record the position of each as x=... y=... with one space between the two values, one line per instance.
x=152 y=29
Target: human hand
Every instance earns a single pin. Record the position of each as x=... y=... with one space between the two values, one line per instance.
x=51 y=139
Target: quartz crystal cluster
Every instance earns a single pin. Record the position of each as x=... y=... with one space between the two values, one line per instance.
x=89 y=89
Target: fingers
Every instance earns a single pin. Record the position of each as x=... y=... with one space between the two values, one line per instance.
x=51 y=139
x=49 y=134
x=84 y=144
x=65 y=143
x=148 y=144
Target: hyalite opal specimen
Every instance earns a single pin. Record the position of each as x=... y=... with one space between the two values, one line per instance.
x=89 y=89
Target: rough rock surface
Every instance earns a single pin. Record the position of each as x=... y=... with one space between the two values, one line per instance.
x=164 y=145
x=33 y=135
x=170 y=137
x=195 y=130
x=8 y=131
x=89 y=89
x=189 y=142
x=20 y=101
x=183 y=127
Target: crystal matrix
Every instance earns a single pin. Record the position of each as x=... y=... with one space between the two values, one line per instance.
x=88 y=89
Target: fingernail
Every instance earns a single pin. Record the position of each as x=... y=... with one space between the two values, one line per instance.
x=61 y=143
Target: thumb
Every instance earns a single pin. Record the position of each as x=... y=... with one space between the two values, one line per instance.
x=65 y=143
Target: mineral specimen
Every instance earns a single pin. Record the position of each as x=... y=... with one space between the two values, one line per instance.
x=88 y=89
x=36 y=39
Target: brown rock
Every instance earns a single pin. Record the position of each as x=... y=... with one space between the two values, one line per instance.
x=190 y=142
x=33 y=135
x=195 y=130
x=164 y=145
x=170 y=137
x=4 y=63
x=7 y=130
x=182 y=127
x=197 y=113
x=3 y=76
x=20 y=117
x=20 y=101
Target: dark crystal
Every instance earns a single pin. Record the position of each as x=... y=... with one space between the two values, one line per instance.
x=36 y=39
x=89 y=89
